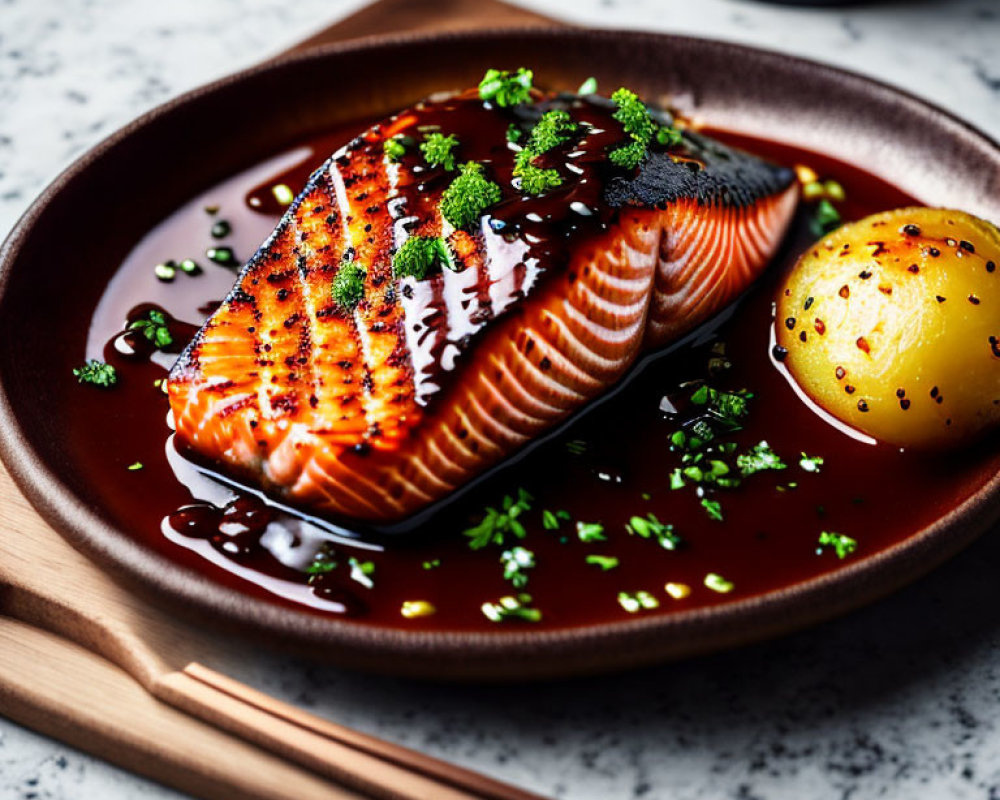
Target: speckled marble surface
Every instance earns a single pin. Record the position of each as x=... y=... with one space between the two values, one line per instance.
x=900 y=700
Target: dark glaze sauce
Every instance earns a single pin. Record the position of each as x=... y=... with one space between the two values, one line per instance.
x=768 y=540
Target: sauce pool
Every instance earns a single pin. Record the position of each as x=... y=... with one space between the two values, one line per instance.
x=613 y=464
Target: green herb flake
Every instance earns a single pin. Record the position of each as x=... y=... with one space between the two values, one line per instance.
x=842 y=545
x=826 y=218
x=190 y=267
x=362 y=572
x=514 y=133
x=394 y=148
x=811 y=463
x=420 y=256
x=552 y=519
x=589 y=86
x=437 y=149
x=511 y=608
x=649 y=527
x=590 y=532
x=677 y=479
x=154 y=328
x=576 y=447
x=348 y=287
x=468 y=196
x=633 y=115
x=634 y=602
x=496 y=525
x=97 y=373
x=628 y=156
x=553 y=129
x=533 y=179
x=506 y=89
x=324 y=561
x=224 y=256
x=717 y=583
x=433 y=563
x=759 y=458
x=713 y=508
x=515 y=563
x=135 y=467
x=604 y=562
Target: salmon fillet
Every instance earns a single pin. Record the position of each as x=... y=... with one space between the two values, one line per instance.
x=374 y=410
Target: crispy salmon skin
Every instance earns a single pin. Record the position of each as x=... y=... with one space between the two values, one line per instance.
x=456 y=281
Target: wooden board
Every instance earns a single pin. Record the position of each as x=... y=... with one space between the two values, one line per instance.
x=67 y=691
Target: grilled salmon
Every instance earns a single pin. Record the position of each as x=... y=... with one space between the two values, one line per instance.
x=456 y=281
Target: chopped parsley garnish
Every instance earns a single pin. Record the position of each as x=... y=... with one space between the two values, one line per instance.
x=434 y=563
x=515 y=563
x=576 y=447
x=97 y=373
x=505 y=88
x=514 y=133
x=634 y=602
x=553 y=129
x=628 y=156
x=394 y=148
x=135 y=467
x=842 y=545
x=468 y=196
x=826 y=218
x=534 y=179
x=154 y=327
x=496 y=525
x=348 y=287
x=551 y=519
x=811 y=463
x=437 y=149
x=590 y=532
x=324 y=561
x=641 y=128
x=589 y=86
x=758 y=458
x=717 y=583
x=713 y=508
x=511 y=608
x=649 y=527
x=420 y=256
x=362 y=572
x=604 y=562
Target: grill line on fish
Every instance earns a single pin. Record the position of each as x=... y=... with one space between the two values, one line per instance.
x=375 y=412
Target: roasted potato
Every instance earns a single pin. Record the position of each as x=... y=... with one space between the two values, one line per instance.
x=892 y=324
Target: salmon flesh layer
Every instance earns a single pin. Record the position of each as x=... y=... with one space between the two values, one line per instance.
x=375 y=399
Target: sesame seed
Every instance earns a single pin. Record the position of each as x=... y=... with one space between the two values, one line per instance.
x=779 y=353
x=849 y=389
x=790 y=323
x=974 y=300
x=901 y=393
x=967 y=246
x=840 y=373
x=845 y=291
x=913 y=268
x=862 y=406
x=864 y=274
x=904 y=403
x=820 y=326
x=863 y=345
x=911 y=229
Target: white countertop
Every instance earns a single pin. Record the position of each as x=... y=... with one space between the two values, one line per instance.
x=899 y=700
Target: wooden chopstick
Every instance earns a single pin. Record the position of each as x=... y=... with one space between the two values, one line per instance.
x=375 y=766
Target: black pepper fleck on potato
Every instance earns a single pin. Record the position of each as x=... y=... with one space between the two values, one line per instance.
x=905 y=306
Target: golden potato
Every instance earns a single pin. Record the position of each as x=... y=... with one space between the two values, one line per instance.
x=892 y=324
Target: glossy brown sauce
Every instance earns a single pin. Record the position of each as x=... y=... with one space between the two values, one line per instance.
x=768 y=539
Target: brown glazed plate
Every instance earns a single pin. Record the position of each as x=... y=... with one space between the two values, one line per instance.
x=64 y=250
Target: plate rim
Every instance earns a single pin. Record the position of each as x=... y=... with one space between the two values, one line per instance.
x=504 y=653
